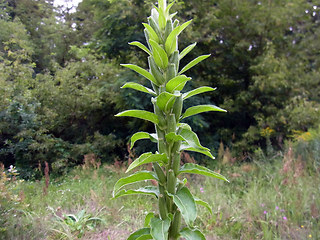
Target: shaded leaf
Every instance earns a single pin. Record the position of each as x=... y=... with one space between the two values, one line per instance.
x=139 y=233
x=186 y=147
x=152 y=34
x=192 y=139
x=145 y=115
x=159 y=55
x=143 y=135
x=141 y=71
x=186 y=204
x=138 y=87
x=148 y=190
x=200 y=109
x=189 y=234
x=136 y=177
x=194 y=62
x=159 y=228
x=166 y=100
x=171 y=42
x=173 y=137
x=197 y=91
x=148 y=218
x=204 y=204
x=147 y=158
x=197 y=169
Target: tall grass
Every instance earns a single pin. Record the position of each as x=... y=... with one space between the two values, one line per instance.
x=265 y=199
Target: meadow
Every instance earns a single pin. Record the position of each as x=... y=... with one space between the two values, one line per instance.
x=270 y=197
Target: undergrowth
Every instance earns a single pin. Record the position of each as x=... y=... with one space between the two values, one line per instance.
x=275 y=199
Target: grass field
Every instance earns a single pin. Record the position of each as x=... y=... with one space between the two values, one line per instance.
x=278 y=198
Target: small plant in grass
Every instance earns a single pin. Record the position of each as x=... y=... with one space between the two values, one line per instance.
x=71 y=225
x=172 y=135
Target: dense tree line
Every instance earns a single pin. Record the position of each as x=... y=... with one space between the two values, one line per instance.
x=60 y=77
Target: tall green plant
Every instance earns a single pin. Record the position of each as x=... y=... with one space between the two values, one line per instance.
x=172 y=136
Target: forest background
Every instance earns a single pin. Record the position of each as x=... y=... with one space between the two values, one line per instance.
x=60 y=77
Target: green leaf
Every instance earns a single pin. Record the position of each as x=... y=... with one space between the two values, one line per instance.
x=159 y=55
x=177 y=83
x=141 y=71
x=189 y=234
x=141 y=46
x=194 y=62
x=173 y=137
x=166 y=100
x=147 y=158
x=148 y=219
x=148 y=190
x=145 y=237
x=171 y=42
x=149 y=116
x=197 y=91
x=192 y=139
x=142 y=135
x=152 y=34
x=200 y=109
x=160 y=228
x=136 y=177
x=203 y=203
x=186 y=147
x=197 y=169
x=186 y=204
x=187 y=50
x=138 y=87
x=139 y=233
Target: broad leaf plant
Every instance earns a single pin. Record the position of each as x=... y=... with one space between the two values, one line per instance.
x=177 y=206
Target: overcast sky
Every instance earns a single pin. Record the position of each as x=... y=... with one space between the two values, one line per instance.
x=67 y=3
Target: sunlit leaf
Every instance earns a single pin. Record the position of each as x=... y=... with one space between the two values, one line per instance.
x=177 y=83
x=138 y=87
x=142 y=135
x=192 y=139
x=200 y=109
x=197 y=169
x=136 y=177
x=197 y=91
x=187 y=50
x=194 y=62
x=141 y=46
x=141 y=71
x=145 y=115
x=147 y=158
x=186 y=147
